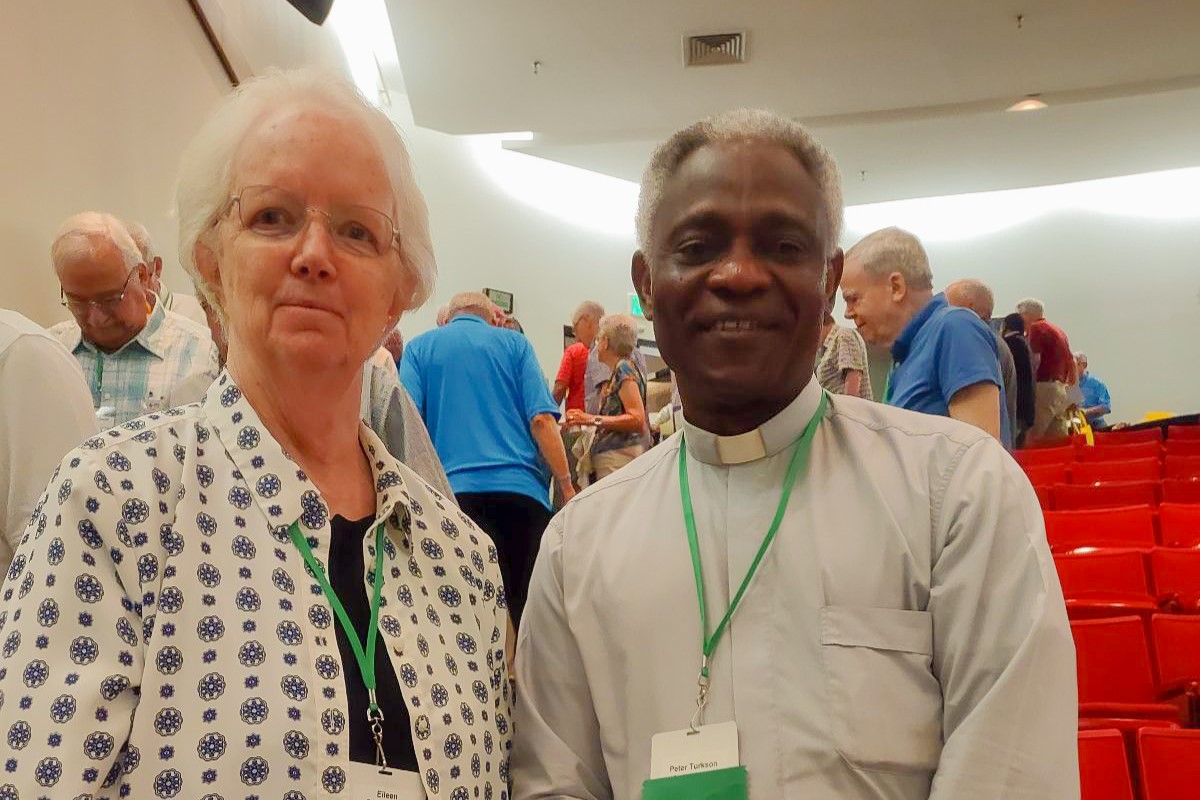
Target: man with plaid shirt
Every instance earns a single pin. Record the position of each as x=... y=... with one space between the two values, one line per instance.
x=133 y=352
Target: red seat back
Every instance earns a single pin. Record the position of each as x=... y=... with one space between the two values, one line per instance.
x=1170 y=763
x=1046 y=474
x=1180 y=490
x=1139 y=469
x=1069 y=497
x=1113 y=661
x=1103 y=771
x=1120 y=452
x=1176 y=577
x=1183 y=432
x=1183 y=467
x=1128 y=437
x=1131 y=527
x=1176 y=649
x=1180 y=524
x=1045 y=455
x=1113 y=572
x=1183 y=447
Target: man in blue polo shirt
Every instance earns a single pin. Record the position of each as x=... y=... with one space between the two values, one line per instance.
x=944 y=359
x=490 y=415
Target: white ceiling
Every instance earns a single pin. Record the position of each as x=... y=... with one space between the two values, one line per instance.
x=911 y=92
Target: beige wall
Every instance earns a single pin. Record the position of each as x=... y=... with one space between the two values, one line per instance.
x=99 y=98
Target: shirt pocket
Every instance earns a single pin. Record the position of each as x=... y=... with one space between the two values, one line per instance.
x=885 y=703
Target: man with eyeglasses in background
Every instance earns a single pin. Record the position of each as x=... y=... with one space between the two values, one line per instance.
x=133 y=353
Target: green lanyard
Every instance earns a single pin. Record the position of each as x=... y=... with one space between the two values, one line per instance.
x=887 y=385
x=100 y=375
x=709 y=643
x=366 y=660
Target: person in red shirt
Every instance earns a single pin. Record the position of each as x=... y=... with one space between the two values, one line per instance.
x=1054 y=373
x=569 y=382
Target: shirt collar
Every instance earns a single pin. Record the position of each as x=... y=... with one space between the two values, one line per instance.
x=151 y=337
x=904 y=342
x=469 y=318
x=278 y=486
x=772 y=437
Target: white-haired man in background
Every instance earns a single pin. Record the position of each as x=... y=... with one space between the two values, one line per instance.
x=975 y=295
x=945 y=361
x=132 y=352
x=185 y=305
x=903 y=637
x=1055 y=373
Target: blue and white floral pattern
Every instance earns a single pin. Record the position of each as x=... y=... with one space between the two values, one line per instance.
x=162 y=638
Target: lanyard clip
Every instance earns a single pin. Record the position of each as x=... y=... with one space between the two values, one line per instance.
x=703 y=682
x=375 y=718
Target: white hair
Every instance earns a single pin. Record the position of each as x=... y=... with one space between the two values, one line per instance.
x=588 y=308
x=475 y=303
x=80 y=234
x=1032 y=307
x=744 y=125
x=205 y=181
x=894 y=250
x=621 y=333
x=141 y=237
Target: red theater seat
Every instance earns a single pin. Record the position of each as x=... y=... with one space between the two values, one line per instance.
x=1115 y=676
x=1140 y=469
x=1180 y=524
x=1183 y=432
x=1128 y=437
x=1105 y=583
x=1120 y=452
x=1128 y=527
x=1183 y=447
x=1045 y=455
x=1187 y=467
x=1170 y=764
x=1103 y=770
x=1180 y=490
x=1068 y=497
x=1176 y=575
x=1047 y=474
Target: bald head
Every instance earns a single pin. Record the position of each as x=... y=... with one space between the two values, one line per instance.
x=974 y=295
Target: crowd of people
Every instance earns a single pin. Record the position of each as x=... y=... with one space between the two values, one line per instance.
x=261 y=544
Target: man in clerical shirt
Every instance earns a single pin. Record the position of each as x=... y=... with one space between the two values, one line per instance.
x=897 y=630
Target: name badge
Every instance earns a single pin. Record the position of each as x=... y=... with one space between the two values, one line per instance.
x=709 y=747
x=369 y=782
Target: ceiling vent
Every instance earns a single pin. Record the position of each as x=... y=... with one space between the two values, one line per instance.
x=714 y=49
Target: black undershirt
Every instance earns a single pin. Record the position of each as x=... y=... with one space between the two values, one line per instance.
x=347 y=577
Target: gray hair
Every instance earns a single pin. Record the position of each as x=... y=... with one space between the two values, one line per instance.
x=621 y=332
x=744 y=125
x=205 y=181
x=976 y=293
x=475 y=303
x=80 y=234
x=141 y=237
x=894 y=250
x=1032 y=307
x=588 y=308
x=443 y=315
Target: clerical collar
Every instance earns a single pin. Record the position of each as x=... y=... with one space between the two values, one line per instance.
x=773 y=436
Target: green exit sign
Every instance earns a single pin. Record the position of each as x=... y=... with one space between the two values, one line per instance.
x=635 y=305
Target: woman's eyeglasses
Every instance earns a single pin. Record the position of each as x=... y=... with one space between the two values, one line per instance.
x=275 y=213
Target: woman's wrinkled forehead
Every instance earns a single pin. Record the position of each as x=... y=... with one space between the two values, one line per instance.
x=307 y=149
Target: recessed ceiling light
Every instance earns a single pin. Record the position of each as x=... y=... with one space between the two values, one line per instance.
x=1031 y=102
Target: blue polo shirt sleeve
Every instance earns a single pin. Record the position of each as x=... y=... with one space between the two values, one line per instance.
x=531 y=383
x=968 y=354
x=410 y=376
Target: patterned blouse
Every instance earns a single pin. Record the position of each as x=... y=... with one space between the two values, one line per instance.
x=611 y=405
x=161 y=636
x=843 y=349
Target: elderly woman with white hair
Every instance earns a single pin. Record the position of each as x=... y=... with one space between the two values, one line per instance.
x=621 y=424
x=249 y=596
